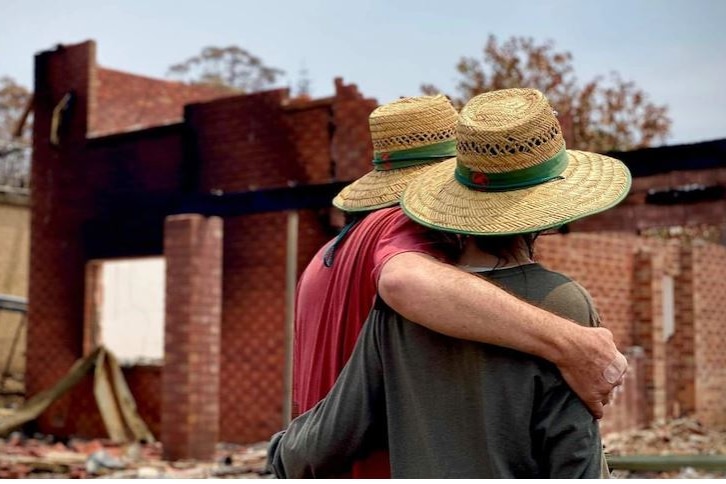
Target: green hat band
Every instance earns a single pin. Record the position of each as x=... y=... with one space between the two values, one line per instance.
x=393 y=160
x=513 y=180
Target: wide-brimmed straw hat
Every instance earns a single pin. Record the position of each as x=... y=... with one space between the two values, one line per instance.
x=512 y=173
x=409 y=135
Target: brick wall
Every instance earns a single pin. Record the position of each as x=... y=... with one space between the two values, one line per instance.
x=310 y=128
x=669 y=377
x=242 y=143
x=247 y=143
x=108 y=196
x=604 y=265
x=680 y=347
x=115 y=191
x=352 y=149
x=655 y=260
x=634 y=214
x=648 y=329
x=191 y=376
x=101 y=198
x=60 y=204
x=709 y=308
x=252 y=326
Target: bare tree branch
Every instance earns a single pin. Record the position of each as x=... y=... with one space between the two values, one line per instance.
x=230 y=66
x=606 y=113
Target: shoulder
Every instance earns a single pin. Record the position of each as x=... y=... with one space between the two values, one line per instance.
x=569 y=299
x=390 y=226
x=384 y=217
x=396 y=233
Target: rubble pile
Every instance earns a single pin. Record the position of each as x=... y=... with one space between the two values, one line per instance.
x=683 y=436
x=40 y=457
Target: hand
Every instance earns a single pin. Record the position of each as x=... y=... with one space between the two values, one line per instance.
x=593 y=367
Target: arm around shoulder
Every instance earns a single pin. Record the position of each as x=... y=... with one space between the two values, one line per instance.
x=462 y=305
x=455 y=303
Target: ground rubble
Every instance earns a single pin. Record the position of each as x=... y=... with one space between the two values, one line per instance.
x=683 y=436
x=42 y=457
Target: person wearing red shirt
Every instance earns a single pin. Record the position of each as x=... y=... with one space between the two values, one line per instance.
x=385 y=252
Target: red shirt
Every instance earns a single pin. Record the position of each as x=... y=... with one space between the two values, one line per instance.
x=332 y=303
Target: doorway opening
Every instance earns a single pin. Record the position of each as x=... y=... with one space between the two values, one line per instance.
x=125 y=309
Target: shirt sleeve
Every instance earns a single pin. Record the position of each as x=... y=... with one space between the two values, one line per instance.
x=594 y=315
x=405 y=235
x=566 y=435
x=325 y=440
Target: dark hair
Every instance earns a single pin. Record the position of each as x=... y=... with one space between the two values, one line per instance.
x=505 y=247
x=351 y=217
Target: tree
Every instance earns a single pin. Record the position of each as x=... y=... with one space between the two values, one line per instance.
x=226 y=66
x=14 y=100
x=606 y=113
x=302 y=86
x=14 y=150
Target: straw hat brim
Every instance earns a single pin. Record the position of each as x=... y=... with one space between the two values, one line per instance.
x=591 y=183
x=378 y=189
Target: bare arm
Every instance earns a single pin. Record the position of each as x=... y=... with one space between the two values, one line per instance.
x=452 y=302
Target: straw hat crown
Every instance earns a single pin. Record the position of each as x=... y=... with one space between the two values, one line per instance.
x=512 y=173
x=507 y=130
x=412 y=122
x=409 y=136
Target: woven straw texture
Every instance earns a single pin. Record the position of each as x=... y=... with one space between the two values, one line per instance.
x=507 y=130
x=378 y=189
x=504 y=131
x=406 y=123
x=412 y=122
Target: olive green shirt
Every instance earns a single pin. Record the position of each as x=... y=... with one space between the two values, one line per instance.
x=450 y=408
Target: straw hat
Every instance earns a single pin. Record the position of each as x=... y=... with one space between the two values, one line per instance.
x=512 y=173
x=409 y=135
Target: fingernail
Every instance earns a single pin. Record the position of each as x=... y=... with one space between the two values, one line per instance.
x=612 y=373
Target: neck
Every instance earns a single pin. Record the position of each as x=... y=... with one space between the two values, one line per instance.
x=472 y=256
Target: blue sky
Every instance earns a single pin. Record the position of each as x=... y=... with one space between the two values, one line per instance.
x=674 y=49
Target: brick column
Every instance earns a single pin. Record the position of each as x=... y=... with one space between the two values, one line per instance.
x=684 y=337
x=190 y=379
x=648 y=312
x=644 y=328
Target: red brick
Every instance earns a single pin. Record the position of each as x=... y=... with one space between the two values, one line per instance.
x=192 y=347
x=265 y=140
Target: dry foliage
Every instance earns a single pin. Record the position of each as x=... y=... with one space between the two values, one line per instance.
x=14 y=151
x=14 y=100
x=226 y=66
x=606 y=113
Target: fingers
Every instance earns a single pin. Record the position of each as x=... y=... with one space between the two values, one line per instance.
x=615 y=372
x=616 y=391
x=586 y=371
x=596 y=409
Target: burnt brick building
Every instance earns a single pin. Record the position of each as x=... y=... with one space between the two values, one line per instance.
x=234 y=191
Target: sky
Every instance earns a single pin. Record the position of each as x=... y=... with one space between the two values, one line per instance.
x=675 y=50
